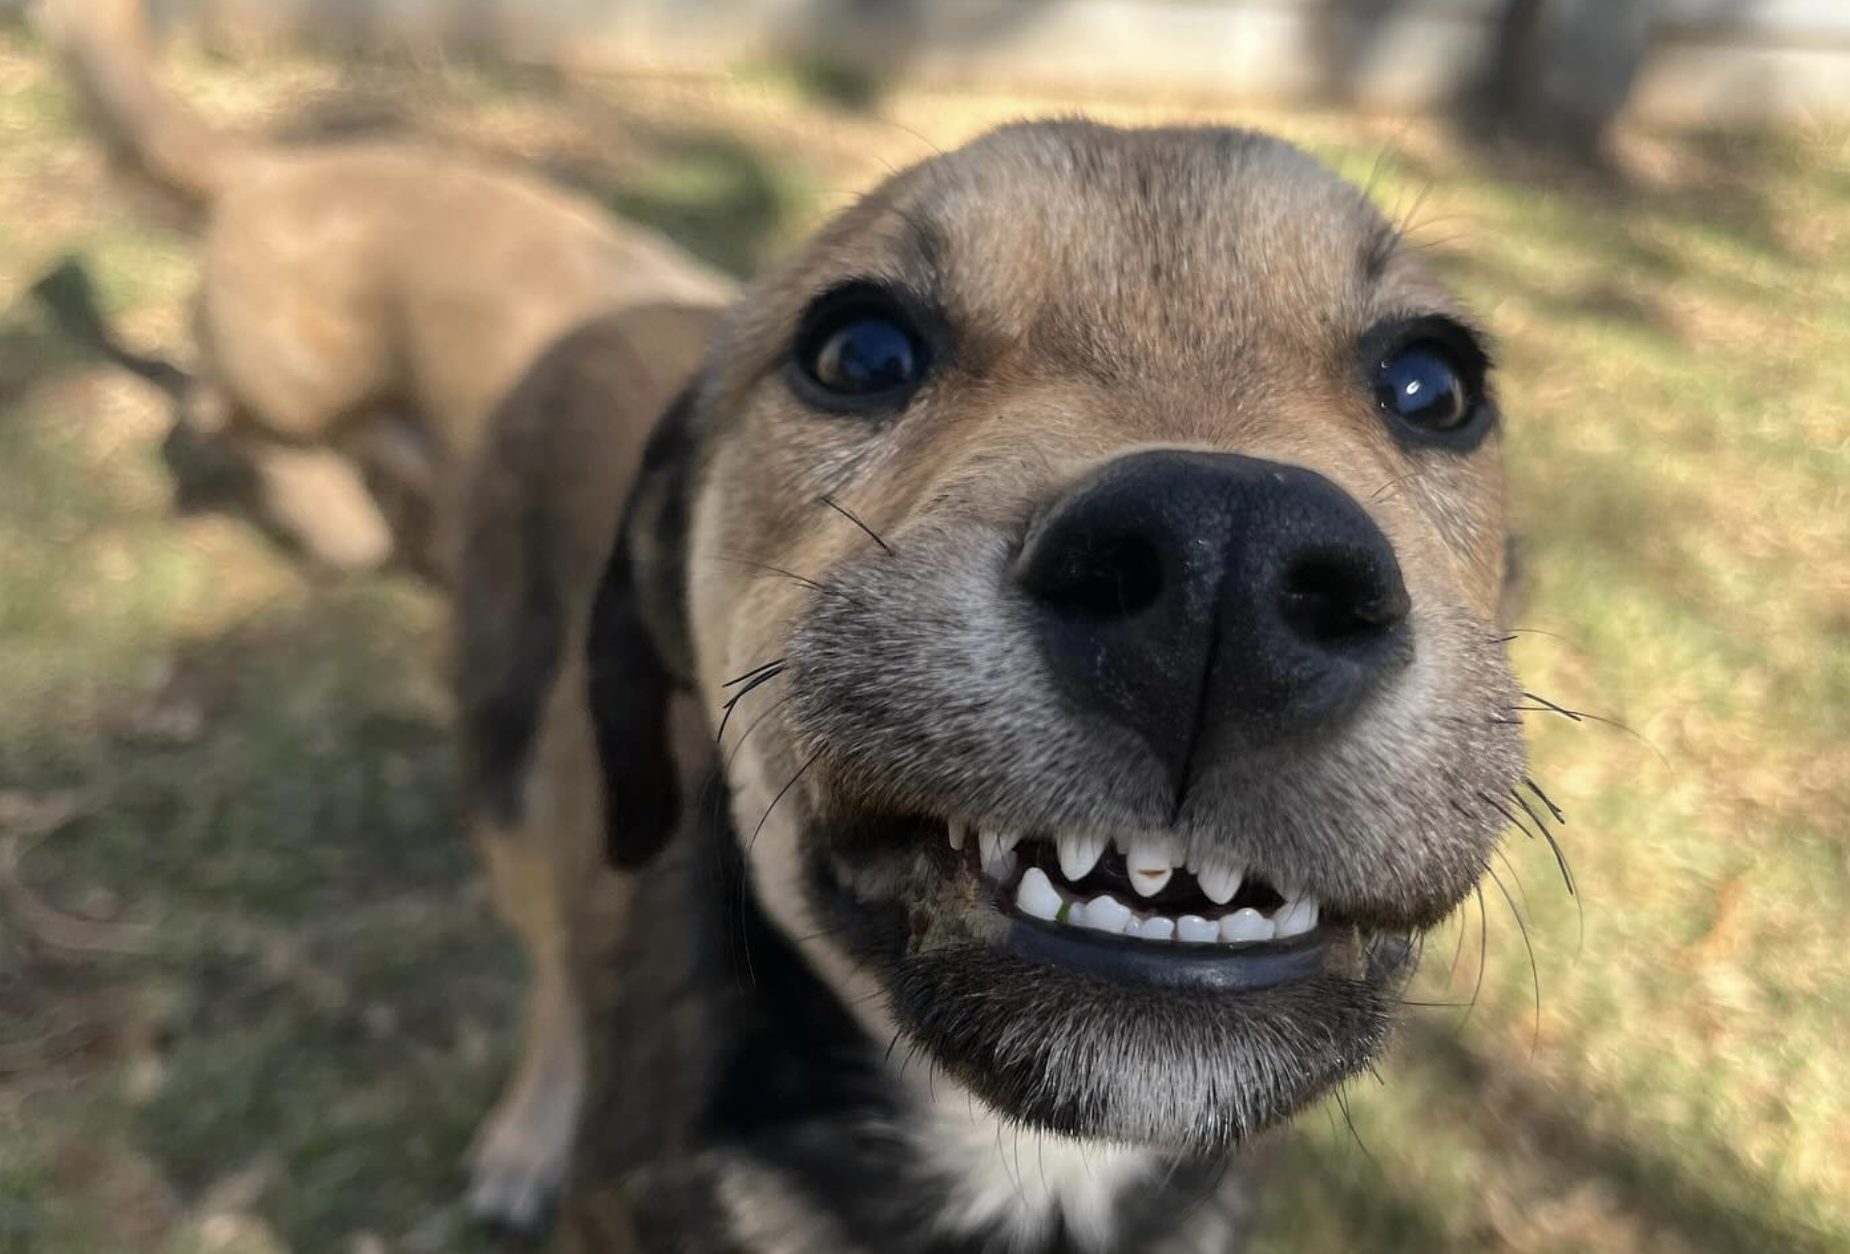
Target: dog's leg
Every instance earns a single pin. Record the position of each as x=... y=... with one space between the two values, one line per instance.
x=317 y=499
x=566 y=906
x=523 y=1149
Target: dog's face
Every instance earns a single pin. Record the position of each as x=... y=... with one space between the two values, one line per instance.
x=1116 y=524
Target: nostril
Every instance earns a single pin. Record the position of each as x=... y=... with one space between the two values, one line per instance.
x=1109 y=576
x=1337 y=600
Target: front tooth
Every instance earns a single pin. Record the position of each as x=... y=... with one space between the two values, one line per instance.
x=1037 y=897
x=1104 y=913
x=957 y=832
x=1220 y=881
x=1157 y=927
x=1197 y=930
x=1295 y=918
x=1246 y=925
x=1149 y=863
x=1079 y=853
x=998 y=852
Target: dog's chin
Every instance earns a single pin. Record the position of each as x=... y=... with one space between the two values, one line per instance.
x=1188 y=1048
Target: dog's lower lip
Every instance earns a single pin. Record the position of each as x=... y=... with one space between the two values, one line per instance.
x=1200 y=968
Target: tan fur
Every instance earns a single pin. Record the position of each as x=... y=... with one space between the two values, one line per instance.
x=1111 y=292
x=570 y=437
x=350 y=286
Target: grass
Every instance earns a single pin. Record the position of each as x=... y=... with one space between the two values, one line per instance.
x=271 y=1004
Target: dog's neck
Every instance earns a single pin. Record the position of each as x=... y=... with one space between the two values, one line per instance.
x=804 y=1130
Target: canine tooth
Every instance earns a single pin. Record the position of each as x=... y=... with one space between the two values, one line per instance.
x=958 y=833
x=1079 y=853
x=1197 y=930
x=1104 y=913
x=1295 y=918
x=1246 y=925
x=1037 y=897
x=1157 y=927
x=1220 y=881
x=1149 y=864
x=998 y=852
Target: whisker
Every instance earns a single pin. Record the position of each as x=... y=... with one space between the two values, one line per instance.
x=1522 y=891
x=805 y=580
x=1567 y=871
x=746 y=735
x=1391 y=484
x=776 y=661
x=1537 y=790
x=758 y=681
x=1535 y=975
x=850 y=515
x=1507 y=813
x=1545 y=706
x=1342 y=1104
x=788 y=785
x=1558 y=709
x=1483 y=951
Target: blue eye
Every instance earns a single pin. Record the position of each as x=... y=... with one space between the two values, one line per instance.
x=859 y=350
x=1422 y=384
x=865 y=356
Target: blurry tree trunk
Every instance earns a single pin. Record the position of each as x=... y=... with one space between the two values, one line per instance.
x=1561 y=70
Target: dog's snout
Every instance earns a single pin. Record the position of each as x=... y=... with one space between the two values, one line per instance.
x=1209 y=601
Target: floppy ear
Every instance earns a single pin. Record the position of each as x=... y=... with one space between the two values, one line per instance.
x=639 y=648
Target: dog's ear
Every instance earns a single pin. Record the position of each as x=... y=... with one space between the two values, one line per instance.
x=639 y=646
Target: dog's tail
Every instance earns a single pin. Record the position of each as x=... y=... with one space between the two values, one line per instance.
x=107 y=55
x=68 y=295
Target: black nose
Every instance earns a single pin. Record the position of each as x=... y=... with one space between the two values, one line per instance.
x=1211 y=602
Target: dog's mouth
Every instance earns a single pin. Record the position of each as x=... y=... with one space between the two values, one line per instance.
x=1189 y=999
x=1143 y=908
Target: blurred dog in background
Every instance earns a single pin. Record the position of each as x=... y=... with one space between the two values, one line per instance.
x=364 y=310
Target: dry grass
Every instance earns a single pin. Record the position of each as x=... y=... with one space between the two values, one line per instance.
x=249 y=996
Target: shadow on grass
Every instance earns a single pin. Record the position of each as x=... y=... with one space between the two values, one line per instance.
x=326 y=1000
x=1701 y=1195
x=1692 y=1197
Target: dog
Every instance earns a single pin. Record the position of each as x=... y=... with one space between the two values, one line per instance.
x=1034 y=684
x=364 y=311
x=372 y=299
x=1084 y=560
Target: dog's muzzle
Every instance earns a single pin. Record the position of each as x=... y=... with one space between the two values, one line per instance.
x=1134 y=771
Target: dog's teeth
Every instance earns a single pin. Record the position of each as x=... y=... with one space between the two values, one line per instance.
x=957 y=832
x=1157 y=927
x=1079 y=854
x=1104 y=913
x=1219 y=880
x=1037 y=897
x=998 y=849
x=1196 y=930
x=1295 y=918
x=1246 y=925
x=1149 y=864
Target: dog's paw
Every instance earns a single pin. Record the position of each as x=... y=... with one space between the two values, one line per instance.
x=520 y=1159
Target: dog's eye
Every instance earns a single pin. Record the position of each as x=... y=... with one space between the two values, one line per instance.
x=867 y=354
x=1432 y=380
x=858 y=350
x=1420 y=384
